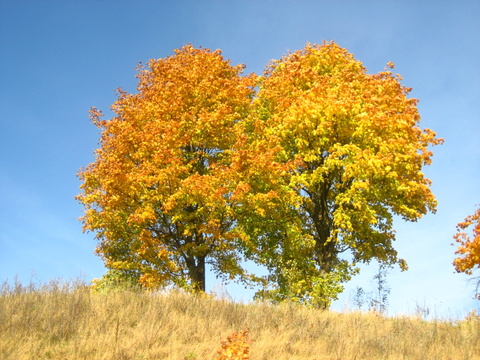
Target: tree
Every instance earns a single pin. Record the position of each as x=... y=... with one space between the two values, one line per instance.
x=157 y=193
x=468 y=248
x=355 y=152
x=293 y=170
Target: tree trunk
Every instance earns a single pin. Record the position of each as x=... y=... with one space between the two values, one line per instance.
x=325 y=251
x=326 y=256
x=196 y=272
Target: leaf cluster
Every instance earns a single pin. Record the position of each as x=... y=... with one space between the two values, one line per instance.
x=469 y=247
x=235 y=347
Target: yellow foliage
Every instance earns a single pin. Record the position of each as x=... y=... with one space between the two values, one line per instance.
x=355 y=151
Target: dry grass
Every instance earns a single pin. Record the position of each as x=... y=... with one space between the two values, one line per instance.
x=65 y=321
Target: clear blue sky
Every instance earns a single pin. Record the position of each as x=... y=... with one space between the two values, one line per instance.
x=59 y=58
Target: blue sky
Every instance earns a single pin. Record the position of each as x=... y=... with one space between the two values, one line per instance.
x=59 y=58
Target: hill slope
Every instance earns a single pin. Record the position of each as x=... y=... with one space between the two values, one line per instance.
x=61 y=321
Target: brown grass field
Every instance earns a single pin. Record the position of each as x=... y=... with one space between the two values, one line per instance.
x=69 y=321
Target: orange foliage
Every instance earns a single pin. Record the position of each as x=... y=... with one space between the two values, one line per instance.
x=156 y=193
x=469 y=248
x=236 y=347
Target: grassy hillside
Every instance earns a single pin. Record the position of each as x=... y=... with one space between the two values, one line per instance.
x=61 y=321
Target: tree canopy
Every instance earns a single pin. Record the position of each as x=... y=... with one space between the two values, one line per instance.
x=355 y=149
x=156 y=194
x=300 y=170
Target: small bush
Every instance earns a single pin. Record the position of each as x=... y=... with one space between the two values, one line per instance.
x=236 y=347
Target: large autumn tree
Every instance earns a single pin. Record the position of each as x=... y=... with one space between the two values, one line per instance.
x=156 y=194
x=302 y=175
x=468 y=246
x=350 y=147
